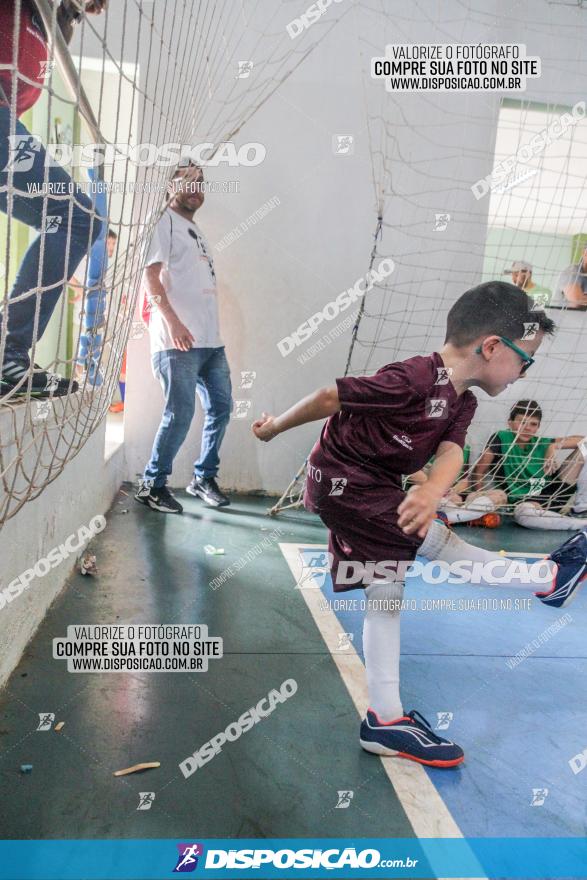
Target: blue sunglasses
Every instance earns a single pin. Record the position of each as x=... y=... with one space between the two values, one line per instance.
x=527 y=360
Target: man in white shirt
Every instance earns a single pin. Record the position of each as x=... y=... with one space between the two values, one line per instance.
x=187 y=352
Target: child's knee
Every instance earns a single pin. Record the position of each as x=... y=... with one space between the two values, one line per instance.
x=384 y=597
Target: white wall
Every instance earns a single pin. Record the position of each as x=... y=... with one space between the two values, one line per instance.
x=318 y=240
x=84 y=489
x=66 y=504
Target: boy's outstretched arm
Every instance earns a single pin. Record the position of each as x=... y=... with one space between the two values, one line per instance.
x=419 y=507
x=319 y=405
x=551 y=464
x=574 y=294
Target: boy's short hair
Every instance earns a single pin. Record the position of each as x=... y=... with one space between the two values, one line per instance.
x=526 y=408
x=494 y=308
x=112 y=234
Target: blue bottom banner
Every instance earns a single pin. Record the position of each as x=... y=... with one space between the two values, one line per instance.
x=509 y=858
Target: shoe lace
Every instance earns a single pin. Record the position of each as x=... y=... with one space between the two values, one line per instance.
x=419 y=719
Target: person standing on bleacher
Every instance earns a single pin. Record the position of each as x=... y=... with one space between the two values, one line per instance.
x=66 y=225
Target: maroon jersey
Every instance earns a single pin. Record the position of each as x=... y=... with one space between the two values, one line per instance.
x=389 y=424
x=31 y=57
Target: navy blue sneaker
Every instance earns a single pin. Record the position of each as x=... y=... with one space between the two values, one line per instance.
x=409 y=737
x=571 y=560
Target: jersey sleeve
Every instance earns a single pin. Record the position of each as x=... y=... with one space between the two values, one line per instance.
x=159 y=249
x=388 y=391
x=457 y=431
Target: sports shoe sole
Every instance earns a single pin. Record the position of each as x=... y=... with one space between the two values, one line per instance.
x=148 y=502
x=544 y=597
x=377 y=749
x=36 y=393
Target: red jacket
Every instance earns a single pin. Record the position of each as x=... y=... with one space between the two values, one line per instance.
x=32 y=54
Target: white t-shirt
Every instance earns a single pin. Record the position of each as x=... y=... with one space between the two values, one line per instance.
x=189 y=281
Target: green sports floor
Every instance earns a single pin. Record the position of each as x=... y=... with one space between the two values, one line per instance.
x=283 y=777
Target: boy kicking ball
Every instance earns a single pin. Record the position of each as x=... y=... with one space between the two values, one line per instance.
x=380 y=427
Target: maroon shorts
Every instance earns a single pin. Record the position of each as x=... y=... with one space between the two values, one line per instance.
x=356 y=538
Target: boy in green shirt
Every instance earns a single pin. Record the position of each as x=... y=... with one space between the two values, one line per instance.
x=523 y=466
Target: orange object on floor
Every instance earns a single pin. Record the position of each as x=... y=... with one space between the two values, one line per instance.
x=488 y=521
x=116 y=407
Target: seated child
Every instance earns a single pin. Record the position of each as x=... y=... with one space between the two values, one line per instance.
x=460 y=505
x=522 y=466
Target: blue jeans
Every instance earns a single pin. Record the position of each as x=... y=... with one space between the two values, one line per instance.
x=66 y=239
x=90 y=341
x=182 y=374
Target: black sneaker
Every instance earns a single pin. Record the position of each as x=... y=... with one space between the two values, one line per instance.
x=208 y=490
x=44 y=382
x=157 y=498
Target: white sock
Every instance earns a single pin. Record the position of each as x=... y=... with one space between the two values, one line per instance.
x=580 y=502
x=441 y=544
x=470 y=510
x=381 y=643
x=525 y=514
